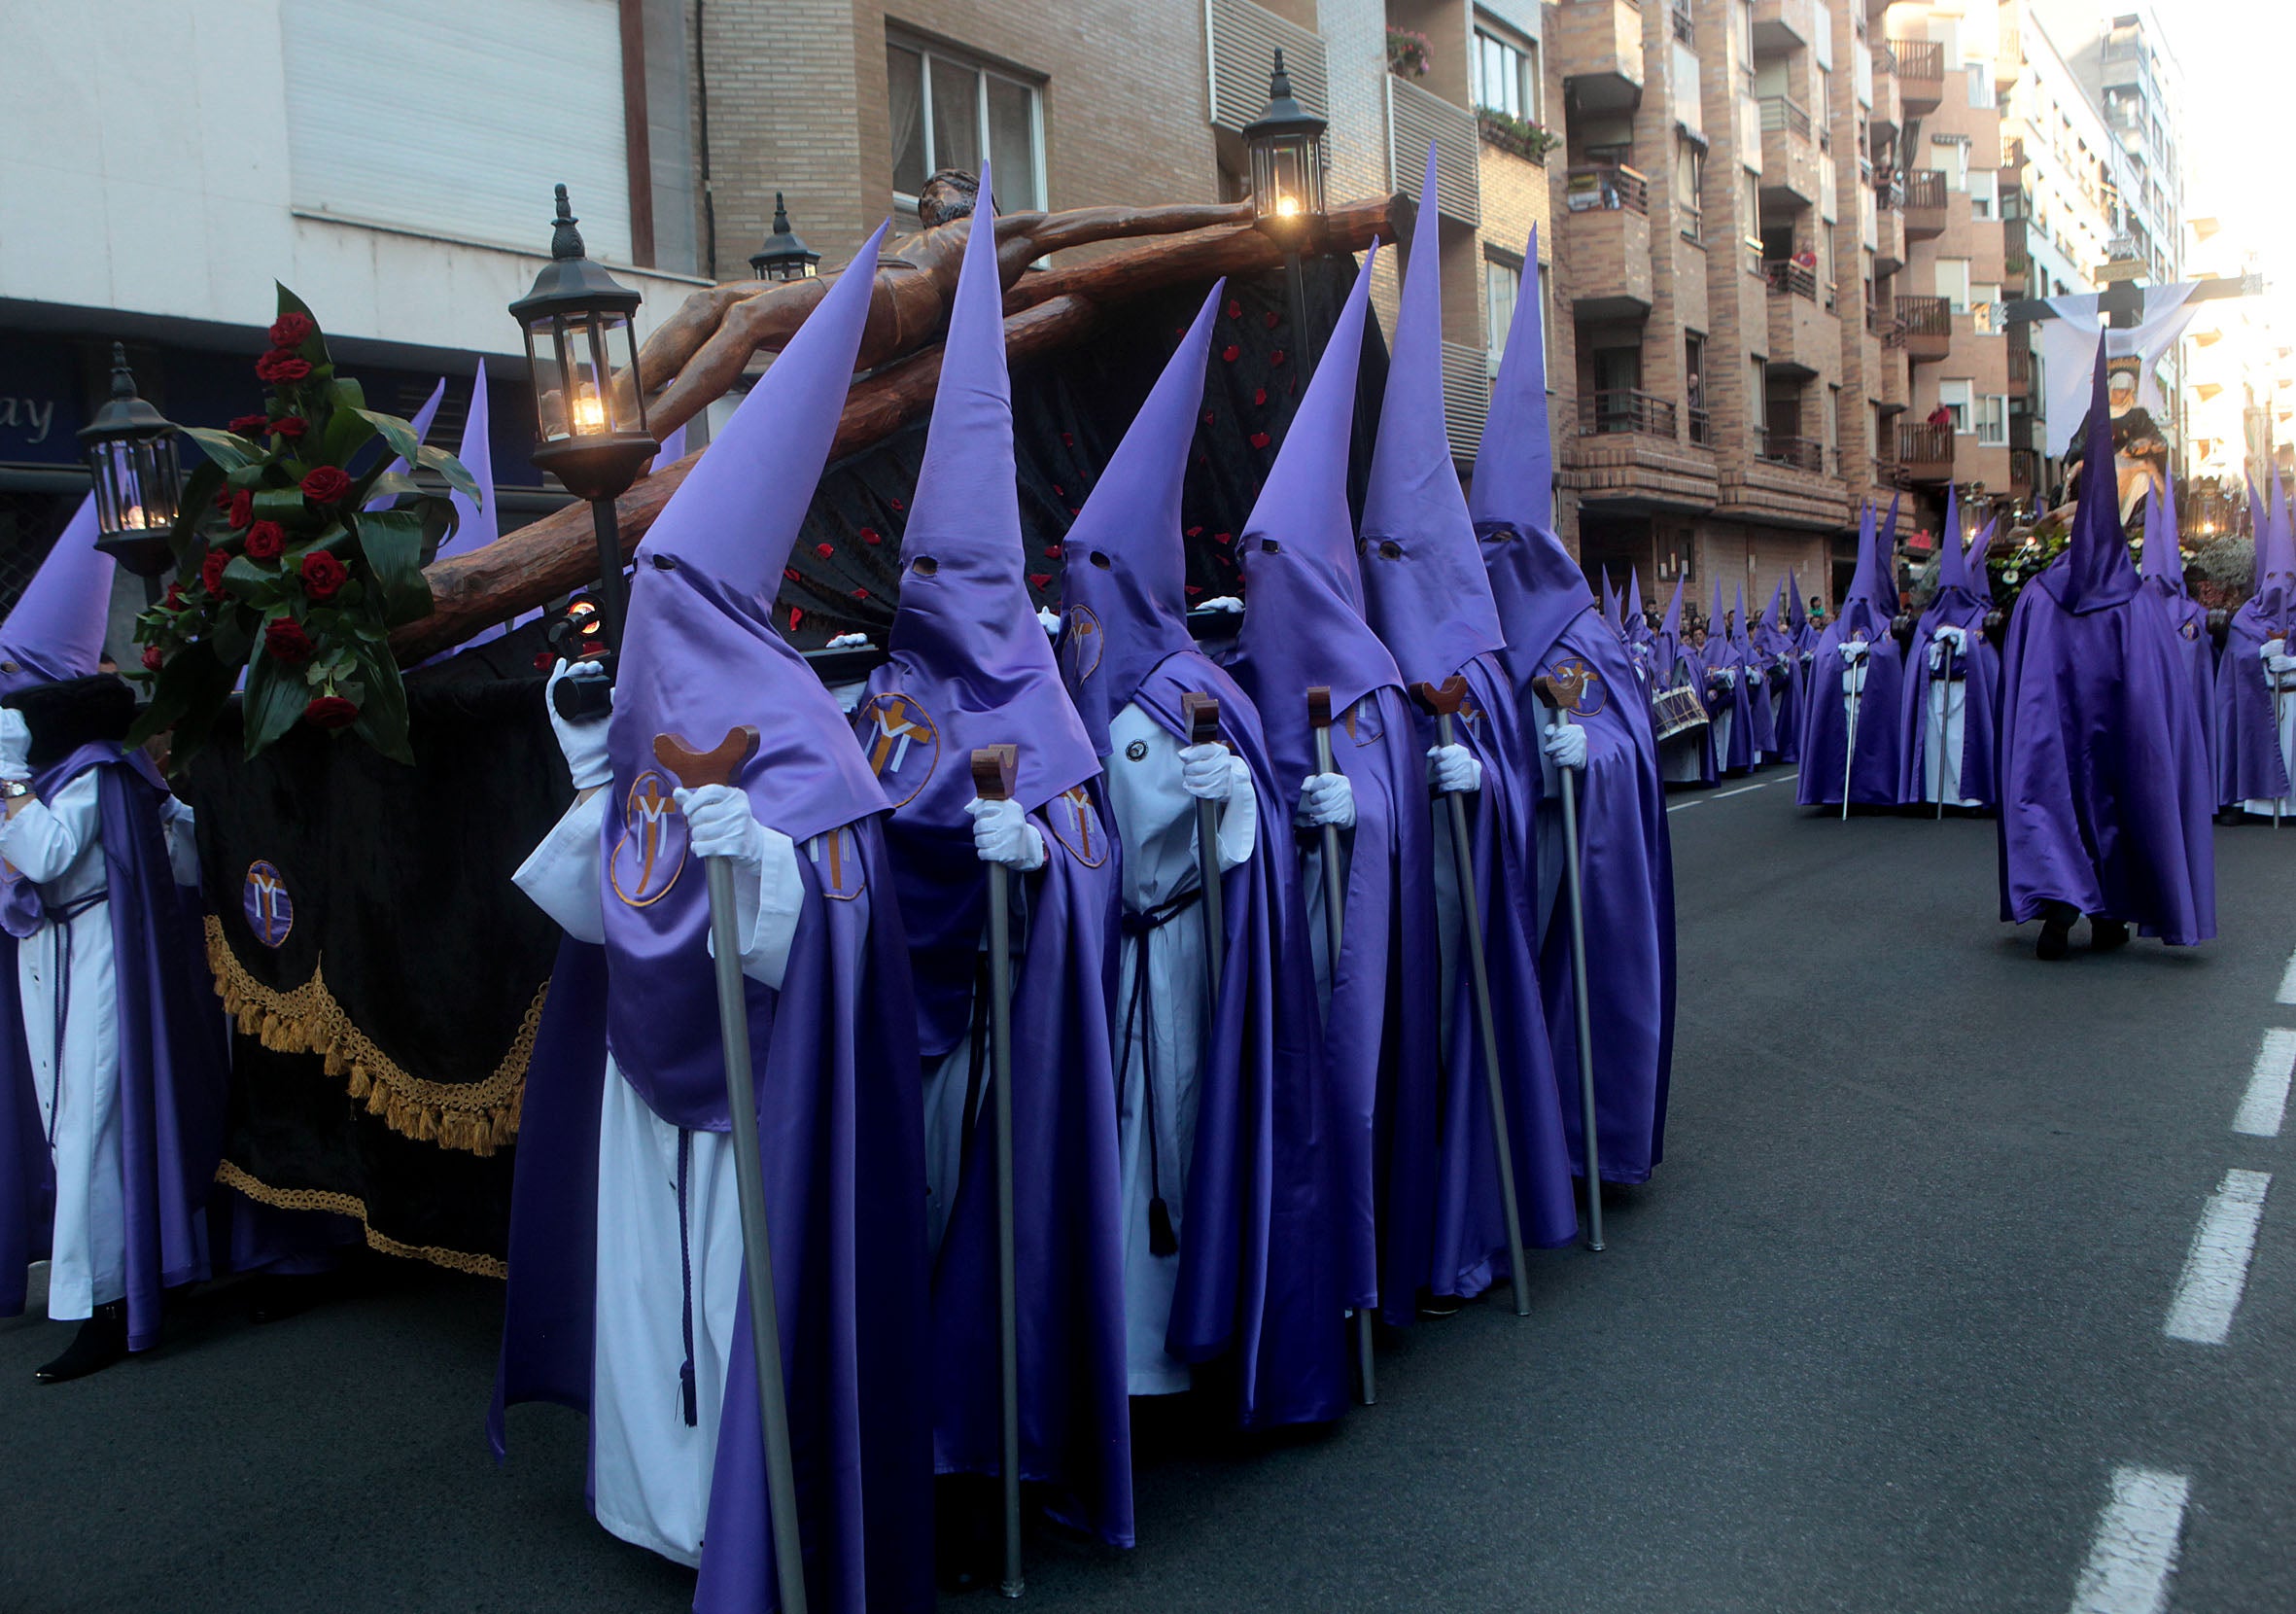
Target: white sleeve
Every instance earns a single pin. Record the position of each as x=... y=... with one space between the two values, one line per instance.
x=44 y=838
x=1239 y=824
x=767 y=903
x=183 y=845
x=561 y=875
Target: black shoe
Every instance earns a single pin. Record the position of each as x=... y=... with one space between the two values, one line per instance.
x=1439 y=1306
x=2056 y=941
x=102 y=1340
x=2104 y=934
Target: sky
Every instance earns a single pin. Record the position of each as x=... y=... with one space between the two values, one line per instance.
x=2238 y=62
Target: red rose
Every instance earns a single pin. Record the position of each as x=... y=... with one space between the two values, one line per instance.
x=330 y=712
x=292 y=330
x=242 y=507
x=279 y=368
x=211 y=570
x=223 y=498
x=323 y=574
x=250 y=425
x=290 y=427
x=286 y=642
x=153 y=658
x=175 y=596
x=327 y=484
x=265 y=541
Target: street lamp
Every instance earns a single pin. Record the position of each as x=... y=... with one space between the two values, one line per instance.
x=1284 y=145
x=132 y=453
x=582 y=350
x=784 y=254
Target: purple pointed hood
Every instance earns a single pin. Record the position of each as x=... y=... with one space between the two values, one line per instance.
x=700 y=653
x=56 y=631
x=1303 y=619
x=1798 y=614
x=422 y=428
x=2094 y=572
x=1513 y=502
x=2275 y=553
x=1423 y=582
x=2164 y=561
x=1609 y=602
x=1860 y=604
x=1953 y=561
x=1974 y=562
x=966 y=639
x=1125 y=605
x=1638 y=625
x=1671 y=624
x=476 y=524
x=1741 y=633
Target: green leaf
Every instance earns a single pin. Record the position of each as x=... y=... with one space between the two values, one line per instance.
x=314 y=346
x=283 y=505
x=227 y=636
x=226 y=448
x=382 y=713
x=400 y=435
x=191 y=687
x=380 y=484
x=393 y=543
x=346 y=428
x=199 y=491
x=275 y=695
x=456 y=475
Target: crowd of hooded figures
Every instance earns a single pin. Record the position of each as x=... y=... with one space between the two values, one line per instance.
x=1338 y=964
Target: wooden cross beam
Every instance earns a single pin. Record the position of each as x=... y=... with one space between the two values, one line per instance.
x=2122 y=303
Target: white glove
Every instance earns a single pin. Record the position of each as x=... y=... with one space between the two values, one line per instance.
x=1728 y=677
x=1957 y=637
x=1049 y=620
x=1228 y=605
x=1212 y=772
x=1453 y=770
x=1940 y=652
x=584 y=742
x=1565 y=745
x=719 y=823
x=2271 y=648
x=2279 y=664
x=15 y=746
x=847 y=642
x=1853 y=651
x=1327 y=798
x=1004 y=834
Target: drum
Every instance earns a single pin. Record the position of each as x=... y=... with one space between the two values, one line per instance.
x=1675 y=711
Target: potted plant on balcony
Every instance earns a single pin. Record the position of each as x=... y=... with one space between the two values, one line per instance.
x=1408 y=53
x=1519 y=135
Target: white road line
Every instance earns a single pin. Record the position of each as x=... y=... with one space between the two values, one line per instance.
x=2267 y=1098
x=2288 y=992
x=2216 y=1267
x=1680 y=805
x=2133 y=1556
x=1743 y=788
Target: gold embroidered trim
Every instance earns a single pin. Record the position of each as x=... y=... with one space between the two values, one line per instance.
x=351 y=1205
x=477 y=1117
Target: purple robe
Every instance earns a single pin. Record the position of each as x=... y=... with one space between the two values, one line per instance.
x=1779 y=653
x=1865 y=616
x=1976 y=667
x=2248 y=759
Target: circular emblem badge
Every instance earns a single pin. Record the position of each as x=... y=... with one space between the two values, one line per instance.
x=903 y=743
x=269 y=910
x=651 y=852
x=1581 y=686
x=1137 y=751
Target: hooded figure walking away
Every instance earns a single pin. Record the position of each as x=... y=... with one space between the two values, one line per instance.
x=1625 y=863
x=1688 y=757
x=1637 y=629
x=2163 y=572
x=1304 y=628
x=1951 y=706
x=1779 y=659
x=2105 y=783
x=112 y=1069
x=2255 y=706
x=627 y=1298
x=1856 y=664
x=1729 y=703
x=970 y=666
x=1432 y=606
x=1226 y=1207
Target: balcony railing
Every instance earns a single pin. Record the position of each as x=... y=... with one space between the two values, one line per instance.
x=2020 y=365
x=1606 y=186
x=1646 y=414
x=1920 y=59
x=1800 y=453
x=1925 y=188
x=1783 y=112
x=1786 y=275
x=1887 y=474
x=1701 y=428
x=1924 y=316
x=1879 y=324
x=1889 y=193
x=1920 y=443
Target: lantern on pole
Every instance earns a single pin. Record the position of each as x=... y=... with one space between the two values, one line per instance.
x=132 y=453
x=1284 y=145
x=784 y=254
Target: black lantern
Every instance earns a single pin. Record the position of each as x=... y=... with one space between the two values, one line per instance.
x=784 y=254
x=582 y=350
x=138 y=482
x=1285 y=144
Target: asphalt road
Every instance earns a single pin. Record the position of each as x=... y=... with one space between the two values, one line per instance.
x=1877 y=1337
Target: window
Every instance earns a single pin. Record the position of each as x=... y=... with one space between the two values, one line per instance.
x=1502 y=285
x=1689 y=173
x=1758 y=394
x=1507 y=76
x=1951 y=152
x=1955 y=395
x=1695 y=388
x=946 y=112
x=1993 y=420
x=1953 y=282
x=1980 y=83
x=1985 y=193
x=1833 y=415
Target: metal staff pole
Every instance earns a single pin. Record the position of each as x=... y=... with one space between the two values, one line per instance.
x=1201 y=713
x=2279 y=732
x=1545 y=688
x=1850 y=751
x=1335 y=898
x=1944 y=694
x=994 y=769
x=694 y=769
x=1445 y=702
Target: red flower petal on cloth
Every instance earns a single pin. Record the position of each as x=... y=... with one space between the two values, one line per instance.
x=1232 y=352
x=860 y=593
x=1195 y=532
x=1192 y=592
x=1037 y=579
x=795 y=616
x=1070 y=439
x=1260 y=439
x=1234 y=309
x=870 y=535
x=790 y=573
x=1223 y=538
x=1275 y=358
x=1268 y=319
x=1052 y=552
x=1259 y=395
x=825 y=550
x=896 y=504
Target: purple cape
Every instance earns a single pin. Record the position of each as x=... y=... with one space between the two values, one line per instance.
x=1865 y=616
x=2245 y=729
x=2105 y=791
x=1780 y=656
x=1978 y=668
x=173 y=1068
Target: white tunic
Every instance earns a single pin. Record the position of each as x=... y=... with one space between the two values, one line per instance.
x=2262 y=806
x=1155 y=826
x=650 y=1471
x=1943 y=716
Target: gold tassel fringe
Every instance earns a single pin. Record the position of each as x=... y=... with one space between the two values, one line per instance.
x=351 y=1205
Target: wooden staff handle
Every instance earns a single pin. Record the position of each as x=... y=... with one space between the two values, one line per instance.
x=694 y=768
x=1543 y=688
x=1442 y=699
x=993 y=770
x=1201 y=713
x=1319 y=706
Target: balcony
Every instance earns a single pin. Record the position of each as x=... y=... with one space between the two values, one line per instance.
x=1783 y=27
x=1925 y=453
x=1243 y=39
x=1795 y=453
x=1790 y=156
x=2020 y=470
x=1927 y=325
x=1921 y=75
x=1889 y=239
x=1606 y=240
x=1889 y=110
x=1804 y=337
x=1925 y=204
x=1599 y=45
x=2020 y=365
x=1414 y=118
x=1644 y=414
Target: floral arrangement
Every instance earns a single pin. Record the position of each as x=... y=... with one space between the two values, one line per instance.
x=293 y=566
x=1518 y=135
x=1408 y=53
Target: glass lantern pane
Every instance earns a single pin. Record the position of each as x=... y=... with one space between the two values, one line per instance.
x=587 y=369
x=625 y=404
x=156 y=475
x=114 y=471
x=543 y=353
x=1288 y=194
